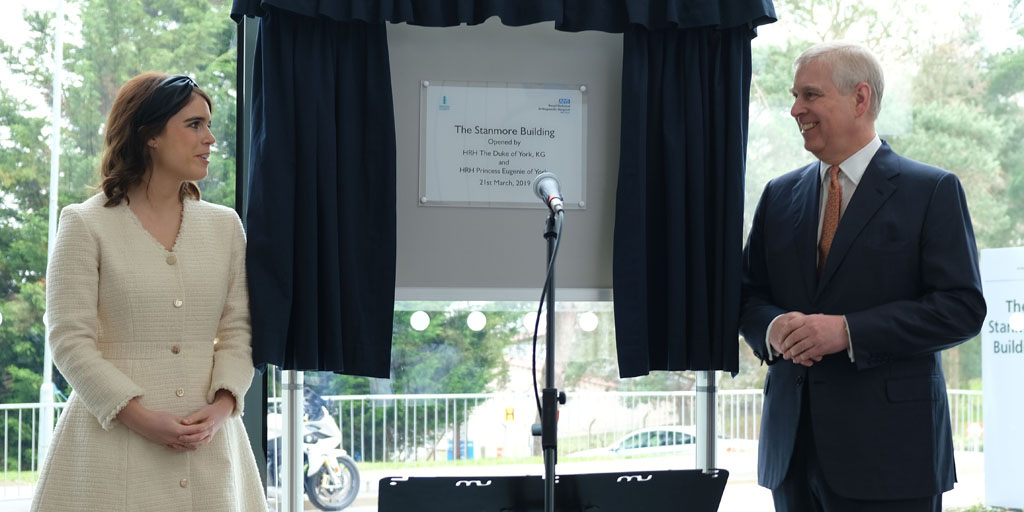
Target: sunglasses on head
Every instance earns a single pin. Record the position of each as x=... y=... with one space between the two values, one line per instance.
x=168 y=97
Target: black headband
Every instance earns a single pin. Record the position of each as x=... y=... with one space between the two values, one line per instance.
x=168 y=98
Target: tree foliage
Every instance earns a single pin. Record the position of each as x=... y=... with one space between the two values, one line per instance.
x=445 y=358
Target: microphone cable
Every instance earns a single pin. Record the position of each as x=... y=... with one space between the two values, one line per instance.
x=559 y=219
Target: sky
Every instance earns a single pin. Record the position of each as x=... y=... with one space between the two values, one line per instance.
x=11 y=25
x=998 y=26
x=14 y=31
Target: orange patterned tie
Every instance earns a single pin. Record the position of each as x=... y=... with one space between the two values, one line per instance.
x=830 y=221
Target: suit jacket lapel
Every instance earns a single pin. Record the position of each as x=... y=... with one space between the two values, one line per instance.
x=806 y=203
x=875 y=187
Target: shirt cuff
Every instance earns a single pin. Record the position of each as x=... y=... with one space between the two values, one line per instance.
x=772 y=353
x=849 y=349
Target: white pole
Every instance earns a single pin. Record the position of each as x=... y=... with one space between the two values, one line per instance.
x=707 y=392
x=291 y=441
x=46 y=389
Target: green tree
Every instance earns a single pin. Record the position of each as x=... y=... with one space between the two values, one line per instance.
x=1005 y=90
x=23 y=217
x=23 y=224
x=445 y=358
x=830 y=20
x=963 y=139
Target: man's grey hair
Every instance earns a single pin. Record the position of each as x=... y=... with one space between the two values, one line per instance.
x=851 y=64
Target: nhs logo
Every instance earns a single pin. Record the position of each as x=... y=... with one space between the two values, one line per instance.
x=563 y=101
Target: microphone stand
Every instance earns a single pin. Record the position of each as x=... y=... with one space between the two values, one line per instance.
x=550 y=398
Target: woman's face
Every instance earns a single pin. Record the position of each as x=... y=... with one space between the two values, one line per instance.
x=182 y=151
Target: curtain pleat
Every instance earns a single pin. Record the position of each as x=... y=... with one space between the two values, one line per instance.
x=321 y=215
x=613 y=16
x=679 y=201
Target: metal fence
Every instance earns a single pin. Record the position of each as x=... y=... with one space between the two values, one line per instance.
x=418 y=428
x=414 y=428
x=20 y=447
x=965 y=415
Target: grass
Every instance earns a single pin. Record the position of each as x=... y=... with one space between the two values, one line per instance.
x=490 y=461
x=982 y=508
x=371 y=466
x=18 y=477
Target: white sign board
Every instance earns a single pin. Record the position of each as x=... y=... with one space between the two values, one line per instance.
x=1002 y=368
x=482 y=144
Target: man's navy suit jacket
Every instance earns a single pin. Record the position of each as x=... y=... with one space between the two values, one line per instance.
x=903 y=268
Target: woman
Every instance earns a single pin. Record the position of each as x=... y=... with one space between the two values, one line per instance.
x=147 y=308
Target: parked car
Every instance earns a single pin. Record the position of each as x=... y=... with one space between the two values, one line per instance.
x=664 y=440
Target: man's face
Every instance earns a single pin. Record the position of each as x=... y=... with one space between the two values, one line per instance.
x=826 y=118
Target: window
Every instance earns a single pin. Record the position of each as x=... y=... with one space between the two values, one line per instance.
x=460 y=400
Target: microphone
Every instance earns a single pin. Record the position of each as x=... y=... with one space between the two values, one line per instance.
x=546 y=186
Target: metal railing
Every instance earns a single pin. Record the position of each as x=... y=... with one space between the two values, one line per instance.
x=20 y=447
x=965 y=415
x=418 y=428
x=415 y=428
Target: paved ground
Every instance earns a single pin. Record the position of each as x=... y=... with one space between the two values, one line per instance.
x=741 y=494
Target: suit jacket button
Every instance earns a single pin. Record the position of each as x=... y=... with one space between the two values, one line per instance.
x=180 y=392
x=175 y=349
x=799 y=380
x=183 y=483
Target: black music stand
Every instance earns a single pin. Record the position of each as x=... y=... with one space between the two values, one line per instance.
x=650 y=491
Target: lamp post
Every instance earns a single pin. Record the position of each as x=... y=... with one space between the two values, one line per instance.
x=46 y=388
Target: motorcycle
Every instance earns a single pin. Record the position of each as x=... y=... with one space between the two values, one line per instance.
x=331 y=479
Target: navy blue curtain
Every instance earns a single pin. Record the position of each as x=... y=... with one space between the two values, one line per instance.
x=679 y=214
x=616 y=16
x=321 y=215
x=321 y=245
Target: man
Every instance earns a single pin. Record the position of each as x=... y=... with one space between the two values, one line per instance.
x=859 y=269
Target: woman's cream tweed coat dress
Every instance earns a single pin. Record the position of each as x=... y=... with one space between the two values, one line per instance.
x=128 y=318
